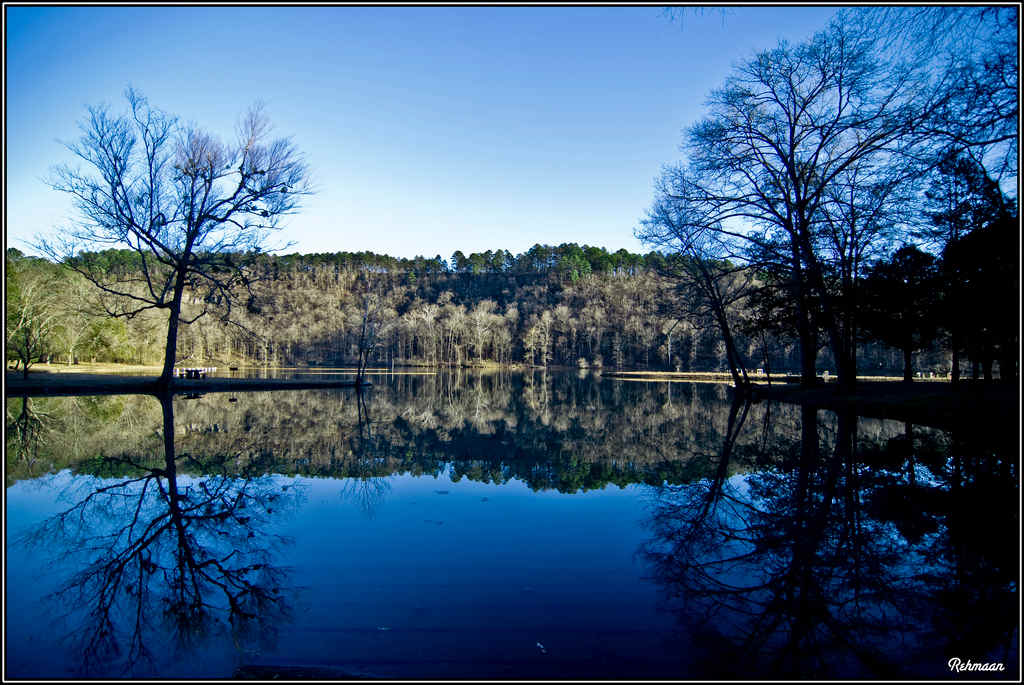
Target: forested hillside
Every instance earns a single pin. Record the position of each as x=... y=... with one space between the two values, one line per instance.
x=551 y=306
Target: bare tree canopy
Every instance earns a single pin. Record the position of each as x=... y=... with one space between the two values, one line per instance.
x=193 y=209
x=810 y=154
x=972 y=51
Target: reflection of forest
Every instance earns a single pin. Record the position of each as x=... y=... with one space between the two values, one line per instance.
x=790 y=542
x=557 y=431
x=854 y=557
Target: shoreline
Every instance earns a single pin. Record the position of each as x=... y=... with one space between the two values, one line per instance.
x=926 y=402
x=65 y=384
x=973 y=405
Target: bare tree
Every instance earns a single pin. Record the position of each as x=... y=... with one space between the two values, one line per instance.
x=483 y=322
x=973 y=51
x=33 y=313
x=862 y=215
x=78 y=307
x=784 y=132
x=373 y=317
x=711 y=285
x=193 y=210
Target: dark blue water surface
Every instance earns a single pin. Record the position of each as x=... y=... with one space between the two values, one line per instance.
x=502 y=526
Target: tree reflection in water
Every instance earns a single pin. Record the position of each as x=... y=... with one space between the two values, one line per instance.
x=843 y=559
x=159 y=553
x=804 y=545
x=27 y=427
x=367 y=484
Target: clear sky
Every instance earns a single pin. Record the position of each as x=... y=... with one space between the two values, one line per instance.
x=427 y=130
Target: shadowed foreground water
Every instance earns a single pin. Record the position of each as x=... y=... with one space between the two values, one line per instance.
x=502 y=526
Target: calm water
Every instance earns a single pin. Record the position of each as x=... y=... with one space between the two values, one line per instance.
x=503 y=526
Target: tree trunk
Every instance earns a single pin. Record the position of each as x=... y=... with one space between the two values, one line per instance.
x=805 y=329
x=1007 y=365
x=736 y=366
x=848 y=372
x=808 y=356
x=171 y=348
x=908 y=353
x=954 y=371
x=837 y=341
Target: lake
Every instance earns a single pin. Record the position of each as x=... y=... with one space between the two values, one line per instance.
x=503 y=526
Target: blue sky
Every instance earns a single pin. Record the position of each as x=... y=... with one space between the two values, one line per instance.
x=427 y=130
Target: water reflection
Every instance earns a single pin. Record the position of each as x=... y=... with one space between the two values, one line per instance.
x=164 y=561
x=45 y=434
x=555 y=432
x=26 y=428
x=367 y=483
x=848 y=557
x=784 y=542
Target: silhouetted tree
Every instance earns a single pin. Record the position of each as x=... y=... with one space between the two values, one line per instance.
x=699 y=261
x=900 y=303
x=191 y=209
x=981 y=269
x=970 y=53
x=782 y=139
x=961 y=199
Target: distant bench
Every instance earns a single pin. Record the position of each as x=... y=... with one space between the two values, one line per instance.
x=194 y=372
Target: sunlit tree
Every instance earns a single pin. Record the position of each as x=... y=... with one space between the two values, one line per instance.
x=191 y=209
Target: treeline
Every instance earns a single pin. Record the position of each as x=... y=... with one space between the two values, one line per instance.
x=568 y=260
x=550 y=306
